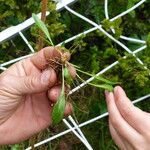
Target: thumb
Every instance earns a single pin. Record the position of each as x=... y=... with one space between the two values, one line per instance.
x=37 y=83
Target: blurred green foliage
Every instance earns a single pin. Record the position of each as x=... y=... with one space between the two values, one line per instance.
x=92 y=52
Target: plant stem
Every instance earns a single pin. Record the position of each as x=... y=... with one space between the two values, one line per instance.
x=43 y=18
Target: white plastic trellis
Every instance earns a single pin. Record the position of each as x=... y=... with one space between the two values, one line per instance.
x=73 y=126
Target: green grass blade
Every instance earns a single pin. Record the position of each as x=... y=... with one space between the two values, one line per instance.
x=43 y=27
x=98 y=77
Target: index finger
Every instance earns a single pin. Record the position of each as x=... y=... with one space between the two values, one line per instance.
x=133 y=115
x=42 y=58
x=121 y=125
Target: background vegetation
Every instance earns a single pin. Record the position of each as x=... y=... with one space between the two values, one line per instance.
x=92 y=53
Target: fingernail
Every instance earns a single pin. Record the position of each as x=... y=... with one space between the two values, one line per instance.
x=106 y=93
x=116 y=89
x=119 y=91
x=45 y=76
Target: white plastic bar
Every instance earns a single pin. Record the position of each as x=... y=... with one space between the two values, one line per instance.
x=95 y=28
x=141 y=99
x=15 y=29
x=78 y=35
x=102 y=71
x=3 y=68
x=107 y=16
x=26 y=41
x=106 y=114
x=140 y=61
x=107 y=34
x=84 y=124
x=106 y=9
x=68 y=40
x=81 y=139
x=132 y=39
x=83 y=84
x=78 y=129
x=15 y=60
x=139 y=49
x=60 y=5
x=122 y=14
x=128 y=11
x=92 y=78
x=122 y=37
x=86 y=32
x=106 y=12
x=11 y=31
x=99 y=27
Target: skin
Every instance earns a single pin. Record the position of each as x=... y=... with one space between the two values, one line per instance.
x=129 y=126
x=27 y=91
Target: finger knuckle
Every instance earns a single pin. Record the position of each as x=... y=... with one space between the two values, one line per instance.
x=30 y=83
x=114 y=122
x=126 y=111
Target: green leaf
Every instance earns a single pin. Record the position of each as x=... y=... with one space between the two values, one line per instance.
x=107 y=24
x=67 y=76
x=43 y=27
x=59 y=108
x=103 y=86
x=98 y=77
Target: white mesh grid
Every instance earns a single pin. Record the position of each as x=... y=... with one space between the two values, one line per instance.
x=71 y=124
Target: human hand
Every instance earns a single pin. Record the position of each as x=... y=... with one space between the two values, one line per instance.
x=27 y=90
x=129 y=126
